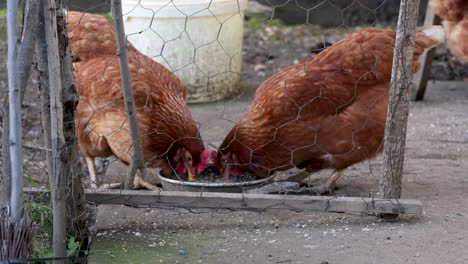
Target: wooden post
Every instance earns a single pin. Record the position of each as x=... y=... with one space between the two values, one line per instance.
x=16 y=158
x=137 y=162
x=42 y=69
x=421 y=78
x=5 y=178
x=81 y=216
x=398 y=105
x=23 y=68
x=58 y=183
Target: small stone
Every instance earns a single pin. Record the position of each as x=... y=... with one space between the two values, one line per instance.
x=259 y=67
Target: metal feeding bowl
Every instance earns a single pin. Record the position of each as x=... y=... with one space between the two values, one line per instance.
x=178 y=183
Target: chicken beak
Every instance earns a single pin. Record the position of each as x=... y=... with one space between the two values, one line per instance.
x=191 y=173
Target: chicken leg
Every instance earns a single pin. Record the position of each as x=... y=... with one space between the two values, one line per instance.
x=320 y=189
x=139 y=183
x=93 y=176
x=92 y=171
x=298 y=177
x=328 y=185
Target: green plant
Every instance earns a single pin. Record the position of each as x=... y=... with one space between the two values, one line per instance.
x=41 y=251
x=42 y=215
x=253 y=24
x=275 y=22
x=73 y=247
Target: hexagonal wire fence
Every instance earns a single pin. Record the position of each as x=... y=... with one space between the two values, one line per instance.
x=213 y=55
x=204 y=44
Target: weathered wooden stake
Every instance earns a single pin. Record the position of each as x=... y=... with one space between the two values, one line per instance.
x=137 y=162
x=24 y=56
x=58 y=183
x=42 y=69
x=398 y=105
x=5 y=178
x=81 y=216
x=16 y=158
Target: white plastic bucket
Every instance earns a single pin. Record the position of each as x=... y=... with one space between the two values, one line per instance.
x=199 y=40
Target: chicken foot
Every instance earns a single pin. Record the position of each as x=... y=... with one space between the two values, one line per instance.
x=328 y=186
x=298 y=177
x=139 y=183
x=93 y=176
x=319 y=189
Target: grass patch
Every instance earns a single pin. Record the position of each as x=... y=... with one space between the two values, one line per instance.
x=256 y=23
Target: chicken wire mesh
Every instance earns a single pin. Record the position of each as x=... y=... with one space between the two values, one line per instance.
x=220 y=52
x=201 y=43
x=198 y=54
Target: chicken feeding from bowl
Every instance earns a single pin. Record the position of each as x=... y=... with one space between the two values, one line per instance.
x=211 y=179
x=210 y=171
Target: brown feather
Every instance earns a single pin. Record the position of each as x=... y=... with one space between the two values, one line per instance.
x=327 y=112
x=450 y=10
x=164 y=120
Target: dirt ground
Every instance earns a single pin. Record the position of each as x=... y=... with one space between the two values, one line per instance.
x=435 y=173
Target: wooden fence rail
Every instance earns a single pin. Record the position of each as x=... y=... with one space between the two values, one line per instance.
x=240 y=201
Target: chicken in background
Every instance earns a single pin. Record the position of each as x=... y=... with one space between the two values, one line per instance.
x=169 y=135
x=457 y=39
x=450 y=10
x=455 y=20
x=327 y=112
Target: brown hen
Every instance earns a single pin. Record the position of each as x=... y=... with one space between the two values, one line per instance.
x=455 y=20
x=450 y=10
x=170 y=137
x=457 y=39
x=91 y=36
x=327 y=112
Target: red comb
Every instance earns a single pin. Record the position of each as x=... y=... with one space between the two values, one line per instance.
x=205 y=157
x=180 y=168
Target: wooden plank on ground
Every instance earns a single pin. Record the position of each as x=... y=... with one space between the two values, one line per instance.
x=239 y=201
x=421 y=78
